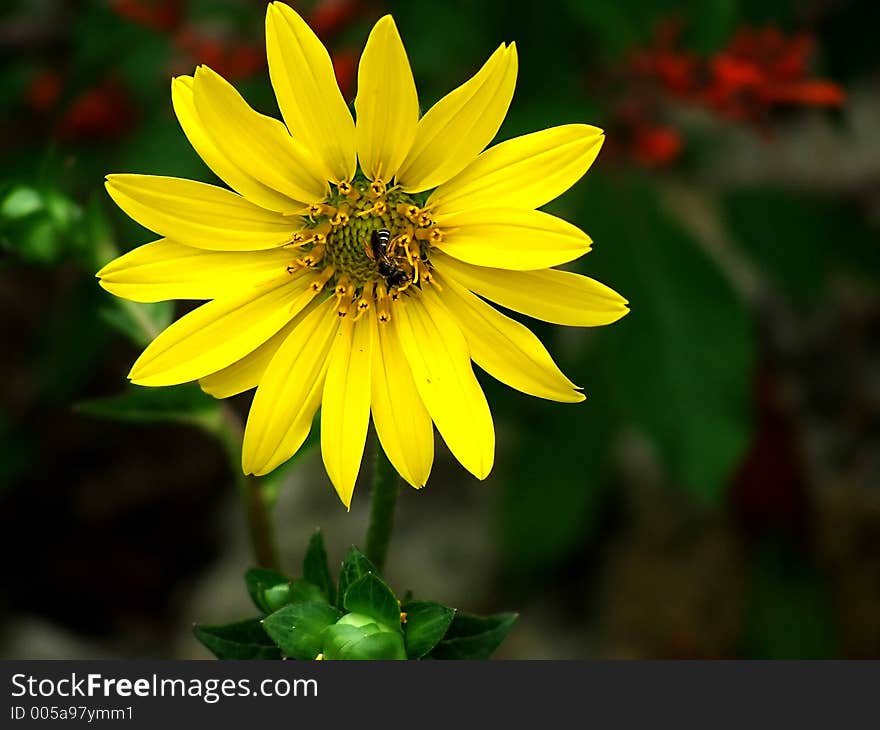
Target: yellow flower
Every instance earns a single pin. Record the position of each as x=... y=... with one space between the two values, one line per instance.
x=349 y=269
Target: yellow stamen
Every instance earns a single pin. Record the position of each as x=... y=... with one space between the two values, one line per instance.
x=425 y=274
x=413 y=252
x=316 y=209
x=321 y=280
x=344 y=286
x=377 y=188
x=410 y=212
x=426 y=234
x=380 y=207
x=340 y=219
x=312 y=257
x=362 y=305
x=383 y=303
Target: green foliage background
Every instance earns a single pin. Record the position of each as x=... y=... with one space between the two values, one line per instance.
x=596 y=513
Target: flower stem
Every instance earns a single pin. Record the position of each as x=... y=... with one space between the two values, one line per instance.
x=386 y=485
x=255 y=499
x=259 y=521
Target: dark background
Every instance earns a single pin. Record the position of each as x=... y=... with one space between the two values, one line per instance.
x=717 y=494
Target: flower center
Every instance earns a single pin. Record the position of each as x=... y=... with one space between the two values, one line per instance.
x=369 y=243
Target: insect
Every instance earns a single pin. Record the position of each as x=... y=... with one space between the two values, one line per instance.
x=394 y=276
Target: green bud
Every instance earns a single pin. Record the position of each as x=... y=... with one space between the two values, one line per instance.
x=356 y=636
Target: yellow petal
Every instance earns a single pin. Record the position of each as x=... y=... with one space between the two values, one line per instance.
x=387 y=106
x=441 y=367
x=524 y=172
x=511 y=238
x=256 y=143
x=290 y=392
x=221 y=332
x=459 y=126
x=506 y=349
x=345 y=408
x=401 y=420
x=308 y=95
x=165 y=270
x=247 y=372
x=200 y=215
x=554 y=296
x=203 y=143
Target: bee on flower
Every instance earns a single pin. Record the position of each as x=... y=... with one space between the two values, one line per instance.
x=352 y=263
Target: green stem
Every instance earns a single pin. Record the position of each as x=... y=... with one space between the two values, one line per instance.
x=386 y=485
x=255 y=500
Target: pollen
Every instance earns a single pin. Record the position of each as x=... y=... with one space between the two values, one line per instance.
x=368 y=243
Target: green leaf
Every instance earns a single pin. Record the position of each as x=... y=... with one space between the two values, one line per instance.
x=474 y=637
x=316 y=569
x=268 y=589
x=680 y=363
x=565 y=491
x=302 y=590
x=241 y=640
x=426 y=624
x=367 y=642
x=787 y=235
x=354 y=567
x=371 y=596
x=173 y=404
x=141 y=322
x=297 y=629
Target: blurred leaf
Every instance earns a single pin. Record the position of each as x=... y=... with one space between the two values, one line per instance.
x=426 y=624
x=367 y=642
x=371 y=596
x=680 y=362
x=19 y=202
x=173 y=404
x=241 y=640
x=789 y=614
x=710 y=24
x=554 y=478
x=268 y=589
x=302 y=590
x=140 y=322
x=355 y=566
x=69 y=345
x=273 y=482
x=799 y=240
x=297 y=629
x=474 y=637
x=38 y=224
x=316 y=569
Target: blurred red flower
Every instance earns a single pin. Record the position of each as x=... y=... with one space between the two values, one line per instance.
x=233 y=59
x=345 y=63
x=102 y=112
x=162 y=15
x=329 y=16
